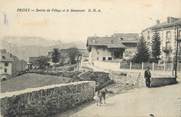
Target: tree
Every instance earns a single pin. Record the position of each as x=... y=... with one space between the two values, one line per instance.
x=142 y=54
x=43 y=62
x=73 y=53
x=55 y=55
x=156 y=46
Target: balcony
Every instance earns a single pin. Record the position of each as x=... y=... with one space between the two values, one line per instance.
x=167 y=49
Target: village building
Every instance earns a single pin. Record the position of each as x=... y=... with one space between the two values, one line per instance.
x=118 y=46
x=10 y=65
x=33 y=62
x=168 y=32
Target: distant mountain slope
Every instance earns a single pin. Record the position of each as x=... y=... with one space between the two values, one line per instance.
x=25 y=47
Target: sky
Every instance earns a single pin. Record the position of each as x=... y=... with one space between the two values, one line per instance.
x=115 y=16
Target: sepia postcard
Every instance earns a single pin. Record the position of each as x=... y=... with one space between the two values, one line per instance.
x=90 y=58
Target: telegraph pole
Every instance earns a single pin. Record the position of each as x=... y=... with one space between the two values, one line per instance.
x=176 y=52
x=178 y=41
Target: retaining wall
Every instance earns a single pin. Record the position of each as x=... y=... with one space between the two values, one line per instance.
x=162 y=81
x=46 y=101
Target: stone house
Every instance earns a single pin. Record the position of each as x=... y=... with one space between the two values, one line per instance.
x=168 y=32
x=111 y=48
x=33 y=62
x=10 y=65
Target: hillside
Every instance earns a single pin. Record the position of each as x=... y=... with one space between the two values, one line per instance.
x=25 y=47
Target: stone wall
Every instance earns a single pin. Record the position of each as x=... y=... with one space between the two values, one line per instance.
x=46 y=101
x=102 y=79
x=162 y=81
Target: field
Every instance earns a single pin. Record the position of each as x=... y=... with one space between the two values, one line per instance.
x=31 y=80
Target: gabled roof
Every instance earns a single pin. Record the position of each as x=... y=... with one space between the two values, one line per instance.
x=33 y=59
x=116 y=46
x=104 y=41
x=115 y=41
x=6 y=56
x=165 y=24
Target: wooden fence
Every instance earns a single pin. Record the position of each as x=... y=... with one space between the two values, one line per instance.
x=153 y=66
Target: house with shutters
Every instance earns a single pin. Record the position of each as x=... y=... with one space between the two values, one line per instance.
x=112 y=48
x=10 y=65
x=169 y=31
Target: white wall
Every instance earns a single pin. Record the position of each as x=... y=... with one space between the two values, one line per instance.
x=9 y=68
x=98 y=54
x=162 y=33
x=107 y=65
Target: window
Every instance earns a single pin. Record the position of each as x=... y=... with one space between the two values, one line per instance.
x=168 y=45
x=121 y=38
x=6 y=64
x=109 y=58
x=97 y=52
x=168 y=35
x=179 y=34
x=104 y=58
x=3 y=57
x=148 y=37
x=97 y=58
x=93 y=41
x=5 y=70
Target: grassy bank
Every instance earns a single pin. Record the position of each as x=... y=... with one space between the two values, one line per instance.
x=31 y=80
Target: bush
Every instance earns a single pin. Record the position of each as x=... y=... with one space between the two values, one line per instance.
x=102 y=79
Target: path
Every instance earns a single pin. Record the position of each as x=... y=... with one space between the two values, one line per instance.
x=161 y=102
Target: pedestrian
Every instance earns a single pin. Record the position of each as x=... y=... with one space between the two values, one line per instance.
x=147 y=76
x=103 y=95
x=100 y=97
x=97 y=98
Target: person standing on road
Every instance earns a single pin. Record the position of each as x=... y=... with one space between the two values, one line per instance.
x=103 y=94
x=97 y=98
x=147 y=76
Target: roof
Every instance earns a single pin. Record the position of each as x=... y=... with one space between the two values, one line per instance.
x=33 y=59
x=116 y=45
x=6 y=56
x=6 y=60
x=117 y=40
x=166 y=24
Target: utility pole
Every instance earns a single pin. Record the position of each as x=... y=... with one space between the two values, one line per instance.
x=176 y=52
x=178 y=40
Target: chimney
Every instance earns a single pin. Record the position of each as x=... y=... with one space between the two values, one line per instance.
x=157 y=21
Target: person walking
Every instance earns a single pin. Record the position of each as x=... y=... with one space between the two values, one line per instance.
x=147 y=76
x=97 y=98
x=103 y=95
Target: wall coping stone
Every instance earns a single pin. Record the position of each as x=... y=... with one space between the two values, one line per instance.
x=29 y=90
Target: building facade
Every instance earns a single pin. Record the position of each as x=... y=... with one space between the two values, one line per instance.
x=10 y=65
x=116 y=47
x=168 y=31
x=33 y=62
